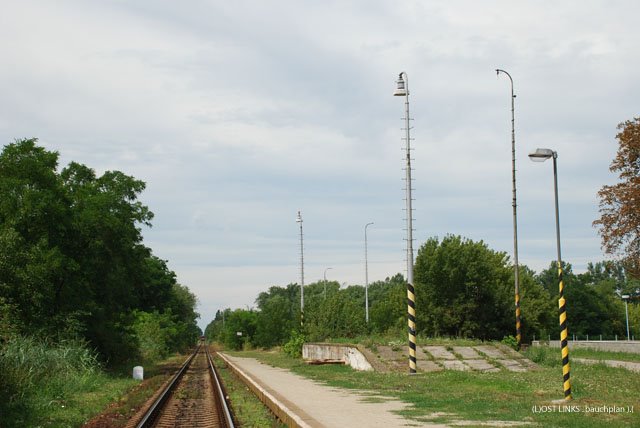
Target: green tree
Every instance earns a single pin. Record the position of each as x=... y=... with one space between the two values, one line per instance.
x=593 y=307
x=539 y=312
x=275 y=320
x=107 y=242
x=340 y=315
x=619 y=222
x=463 y=289
x=213 y=331
x=388 y=304
x=72 y=260
x=34 y=225
x=239 y=329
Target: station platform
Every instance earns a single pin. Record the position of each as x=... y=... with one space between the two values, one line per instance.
x=301 y=402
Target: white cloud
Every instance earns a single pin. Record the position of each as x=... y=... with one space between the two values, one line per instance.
x=239 y=114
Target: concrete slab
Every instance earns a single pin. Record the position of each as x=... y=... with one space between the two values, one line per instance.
x=455 y=365
x=467 y=353
x=481 y=365
x=512 y=365
x=420 y=354
x=428 y=366
x=491 y=352
x=439 y=352
x=509 y=352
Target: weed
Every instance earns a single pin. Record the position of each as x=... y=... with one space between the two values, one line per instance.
x=544 y=355
x=248 y=410
x=44 y=382
x=396 y=345
x=371 y=345
x=294 y=346
x=510 y=341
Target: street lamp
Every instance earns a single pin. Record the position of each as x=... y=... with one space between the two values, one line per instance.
x=515 y=216
x=541 y=155
x=366 y=275
x=402 y=90
x=299 y=220
x=626 y=298
x=325 y=282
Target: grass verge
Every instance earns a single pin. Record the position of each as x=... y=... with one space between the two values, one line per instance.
x=603 y=355
x=44 y=384
x=603 y=396
x=247 y=408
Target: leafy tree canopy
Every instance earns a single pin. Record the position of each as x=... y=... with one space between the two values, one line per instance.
x=72 y=258
x=619 y=222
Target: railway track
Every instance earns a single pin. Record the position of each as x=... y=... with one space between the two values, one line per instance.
x=193 y=398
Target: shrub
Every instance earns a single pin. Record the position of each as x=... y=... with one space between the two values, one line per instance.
x=294 y=346
x=511 y=342
x=37 y=376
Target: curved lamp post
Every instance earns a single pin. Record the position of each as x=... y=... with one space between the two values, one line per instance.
x=626 y=298
x=325 y=282
x=541 y=155
x=402 y=90
x=515 y=215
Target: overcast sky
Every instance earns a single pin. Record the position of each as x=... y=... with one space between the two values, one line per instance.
x=237 y=114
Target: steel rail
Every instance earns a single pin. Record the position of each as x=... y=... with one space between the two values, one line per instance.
x=222 y=404
x=156 y=407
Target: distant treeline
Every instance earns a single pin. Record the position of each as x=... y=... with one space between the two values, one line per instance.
x=463 y=289
x=73 y=264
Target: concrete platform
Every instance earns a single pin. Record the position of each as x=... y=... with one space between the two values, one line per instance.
x=300 y=402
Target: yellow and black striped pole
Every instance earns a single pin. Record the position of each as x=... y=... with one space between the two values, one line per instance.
x=411 y=319
x=540 y=155
x=518 y=329
x=402 y=90
x=564 y=336
x=564 y=332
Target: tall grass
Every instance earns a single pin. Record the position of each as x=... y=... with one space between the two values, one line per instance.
x=37 y=378
x=544 y=356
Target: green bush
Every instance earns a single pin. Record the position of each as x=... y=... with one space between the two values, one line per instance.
x=511 y=342
x=294 y=346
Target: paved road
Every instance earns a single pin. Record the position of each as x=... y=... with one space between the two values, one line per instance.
x=316 y=405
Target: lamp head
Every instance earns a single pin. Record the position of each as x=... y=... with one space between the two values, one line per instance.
x=541 y=155
x=401 y=89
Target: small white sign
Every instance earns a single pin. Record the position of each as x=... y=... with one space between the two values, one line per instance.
x=138 y=373
x=238 y=333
